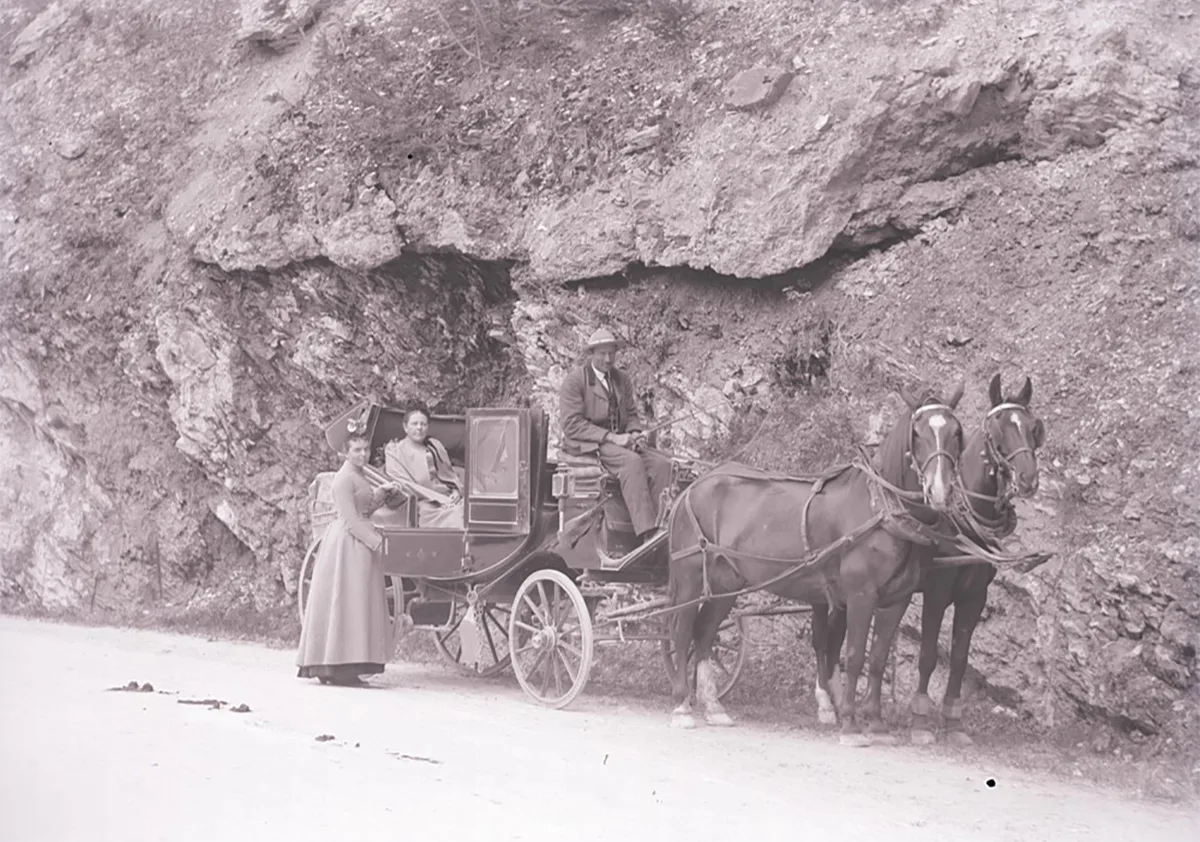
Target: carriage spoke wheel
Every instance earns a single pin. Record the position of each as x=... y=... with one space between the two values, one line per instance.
x=493 y=640
x=729 y=655
x=550 y=631
x=306 y=574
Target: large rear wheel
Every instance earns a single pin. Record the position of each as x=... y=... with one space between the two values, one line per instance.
x=550 y=631
x=491 y=633
x=306 y=574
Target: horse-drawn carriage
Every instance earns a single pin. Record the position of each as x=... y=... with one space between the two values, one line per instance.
x=547 y=563
x=546 y=566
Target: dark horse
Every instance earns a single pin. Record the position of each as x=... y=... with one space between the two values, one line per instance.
x=739 y=527
x=999 y=461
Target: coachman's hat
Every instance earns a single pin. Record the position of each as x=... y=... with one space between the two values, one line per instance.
x=603 y=336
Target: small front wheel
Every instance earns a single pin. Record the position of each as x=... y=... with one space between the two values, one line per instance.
x=550 y=632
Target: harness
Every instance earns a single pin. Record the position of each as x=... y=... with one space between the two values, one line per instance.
x=893 y=508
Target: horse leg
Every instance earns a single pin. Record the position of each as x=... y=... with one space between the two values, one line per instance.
x=833 y=653
x=933 y=608
x=711 y=616
x=887 y=622
x=685 y=587
x=829 y=632
x=966 y=618
x=860 y=608
x=826 y=714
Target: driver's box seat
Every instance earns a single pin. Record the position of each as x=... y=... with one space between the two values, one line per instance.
x=582 y=475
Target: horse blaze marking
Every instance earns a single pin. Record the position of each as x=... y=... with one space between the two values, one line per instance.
x=1016 y=419
x=936 y=422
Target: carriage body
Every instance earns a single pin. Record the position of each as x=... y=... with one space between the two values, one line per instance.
x=529 y=524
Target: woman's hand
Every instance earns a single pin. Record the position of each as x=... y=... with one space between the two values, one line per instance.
x=455 y=497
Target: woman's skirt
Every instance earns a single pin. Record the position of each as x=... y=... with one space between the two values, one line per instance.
x=345 y=631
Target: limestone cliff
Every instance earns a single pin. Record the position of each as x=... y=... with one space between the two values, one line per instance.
x=221 y=228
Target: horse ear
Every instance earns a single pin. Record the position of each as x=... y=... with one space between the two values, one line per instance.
x=907 y=395
x=1026 y=393
x=956 y=395
x=994 y=390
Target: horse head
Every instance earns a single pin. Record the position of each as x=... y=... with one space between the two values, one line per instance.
x=934 y=445
x=1012 y=435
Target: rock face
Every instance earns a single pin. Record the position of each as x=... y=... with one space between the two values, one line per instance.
x=38 y=36
x=212 y=259
x=278 y=24
x=758 y=87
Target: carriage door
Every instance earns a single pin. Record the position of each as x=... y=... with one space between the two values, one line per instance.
x=498 y=479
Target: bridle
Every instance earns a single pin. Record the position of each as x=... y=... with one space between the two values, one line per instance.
x=1004 y=464
x=939 y=452
x=920 y=469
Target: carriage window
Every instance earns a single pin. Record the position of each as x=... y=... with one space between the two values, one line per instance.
x=495 y=449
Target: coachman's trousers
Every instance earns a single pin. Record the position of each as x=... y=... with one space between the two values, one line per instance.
x=643 y=477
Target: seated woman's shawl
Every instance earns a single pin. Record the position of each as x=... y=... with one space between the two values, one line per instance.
x=430 y=467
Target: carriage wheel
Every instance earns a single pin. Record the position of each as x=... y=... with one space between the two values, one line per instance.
x=391 y=584
x=729 y=654
x=550 y=631
x=495 y=637
x=306 y=574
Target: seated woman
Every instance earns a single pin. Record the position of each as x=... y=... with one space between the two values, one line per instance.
x=423 y=461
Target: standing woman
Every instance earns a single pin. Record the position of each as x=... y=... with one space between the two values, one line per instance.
x=345 y=633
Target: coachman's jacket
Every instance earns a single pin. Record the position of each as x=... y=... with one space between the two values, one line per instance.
x=587 y=411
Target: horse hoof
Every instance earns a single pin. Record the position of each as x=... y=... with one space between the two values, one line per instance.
x=923 y=738
x=855 y=740
x=721 y=720
x=959 y=739
x=827 y=717
x=683 y=720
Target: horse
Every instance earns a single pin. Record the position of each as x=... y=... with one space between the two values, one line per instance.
x=999 y=461
x=731 y=526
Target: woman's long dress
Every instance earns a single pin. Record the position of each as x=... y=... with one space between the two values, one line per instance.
x=345 y=631
x=428 y=466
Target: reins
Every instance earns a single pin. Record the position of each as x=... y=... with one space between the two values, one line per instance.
x=896 y=513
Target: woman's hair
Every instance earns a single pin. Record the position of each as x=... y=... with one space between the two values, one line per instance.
x=353 y=437
x=414 y=411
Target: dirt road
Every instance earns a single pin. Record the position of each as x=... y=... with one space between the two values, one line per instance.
x=445 y=757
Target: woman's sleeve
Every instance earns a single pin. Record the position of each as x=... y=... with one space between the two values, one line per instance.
x=360 y=527
x=378 y=498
